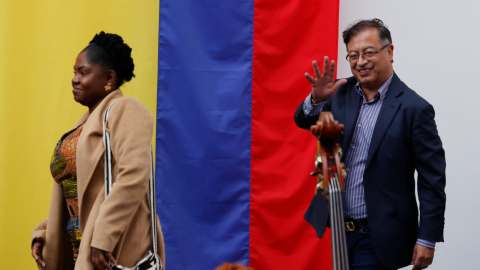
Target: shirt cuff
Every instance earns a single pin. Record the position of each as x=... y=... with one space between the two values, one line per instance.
x=425 y=243
x=310 y=109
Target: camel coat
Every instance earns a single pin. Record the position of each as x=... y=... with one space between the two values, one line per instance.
x=121 y=222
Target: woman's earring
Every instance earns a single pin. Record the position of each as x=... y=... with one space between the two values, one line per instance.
x=108 y=87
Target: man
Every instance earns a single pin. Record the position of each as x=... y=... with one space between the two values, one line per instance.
x=390 y=132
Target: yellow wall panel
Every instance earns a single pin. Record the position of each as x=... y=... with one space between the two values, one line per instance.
x=39 y=42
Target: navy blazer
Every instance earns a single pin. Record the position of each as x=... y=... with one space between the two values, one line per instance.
x=404 y=139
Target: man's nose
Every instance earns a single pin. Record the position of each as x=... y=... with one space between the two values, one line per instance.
x=361 y=60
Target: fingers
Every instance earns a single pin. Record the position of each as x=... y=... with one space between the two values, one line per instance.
x=310 y=78
x=323 y=87
x=96 y=260
x=110 y=258
x=104 y=262
x=414 y=256
x=422 y=257
x=38 y=260
x=430 y=260
x=99 y=261
x=332 y=69
x=39 y=239
x=325 y=66
x=419 y=264
x=339 y=83
x=37 y=252
x=429 y=257
x=40 y=266
x=328 y=70
x=316 y=70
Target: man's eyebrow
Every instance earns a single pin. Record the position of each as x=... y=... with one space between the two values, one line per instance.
x=369 y=47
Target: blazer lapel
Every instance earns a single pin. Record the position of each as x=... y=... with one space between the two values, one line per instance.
x=353 y=105
x=90 y=144
x=82 y=119
x=387 y=113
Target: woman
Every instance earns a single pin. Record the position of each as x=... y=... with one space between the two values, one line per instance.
x=85 y=230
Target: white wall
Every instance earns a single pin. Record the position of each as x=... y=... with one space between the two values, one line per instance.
x=436 y=54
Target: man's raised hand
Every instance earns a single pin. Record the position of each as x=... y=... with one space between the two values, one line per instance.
x=324 y=87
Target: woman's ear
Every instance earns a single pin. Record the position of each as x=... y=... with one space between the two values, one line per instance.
x=112 y=78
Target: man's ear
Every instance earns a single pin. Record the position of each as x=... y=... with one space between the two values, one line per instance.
x=390 y=52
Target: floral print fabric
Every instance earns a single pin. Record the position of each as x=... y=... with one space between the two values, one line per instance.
x=64 y=172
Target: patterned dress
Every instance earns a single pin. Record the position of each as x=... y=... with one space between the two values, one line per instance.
x=64 y=171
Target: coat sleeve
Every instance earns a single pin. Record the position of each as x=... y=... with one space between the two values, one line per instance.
x=131 y=126
x=430 y=165
x=304 y=121
x=41 y=228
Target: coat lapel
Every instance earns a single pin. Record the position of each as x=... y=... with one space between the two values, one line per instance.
x=90 y=144
x=387 y=113
x=353 y=106
x=82 y=119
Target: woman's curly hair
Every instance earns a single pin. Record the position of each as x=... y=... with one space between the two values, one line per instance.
x=112 y=52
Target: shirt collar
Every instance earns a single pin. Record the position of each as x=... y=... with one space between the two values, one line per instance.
x=380 y=95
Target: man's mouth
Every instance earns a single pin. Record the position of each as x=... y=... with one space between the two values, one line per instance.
x=363 y=71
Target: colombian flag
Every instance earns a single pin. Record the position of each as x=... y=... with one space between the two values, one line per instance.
x=231 y=165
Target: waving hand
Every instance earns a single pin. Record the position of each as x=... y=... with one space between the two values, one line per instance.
x=324 y=87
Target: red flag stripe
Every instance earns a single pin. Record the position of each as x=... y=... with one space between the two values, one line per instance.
x=288 y=35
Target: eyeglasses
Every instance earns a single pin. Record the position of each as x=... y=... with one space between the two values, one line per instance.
x=366 y=55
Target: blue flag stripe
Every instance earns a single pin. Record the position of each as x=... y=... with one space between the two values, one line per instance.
x=204 y=131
